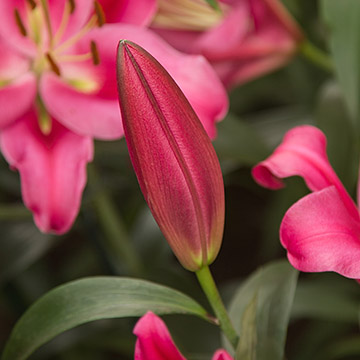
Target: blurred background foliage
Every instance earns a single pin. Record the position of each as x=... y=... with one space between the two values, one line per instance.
x=324 y=322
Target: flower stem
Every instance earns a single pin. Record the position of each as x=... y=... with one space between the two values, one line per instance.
x=316 y=56
x=117 y=239
x=9 y=212
x=208 y=285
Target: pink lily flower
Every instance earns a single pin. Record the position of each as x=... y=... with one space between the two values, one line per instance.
x=321 y=232
x=252 y=37
x=154 y=341
x=58 y=92
x=173 y=158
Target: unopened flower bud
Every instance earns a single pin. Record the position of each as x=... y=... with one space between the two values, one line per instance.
x=173 y=158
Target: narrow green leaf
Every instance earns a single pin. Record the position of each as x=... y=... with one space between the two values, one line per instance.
x=246 y=349
x=343 y=20
x=274 y=288
x=90 y=299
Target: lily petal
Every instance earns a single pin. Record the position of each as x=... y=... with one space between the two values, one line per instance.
x=270 y=42
x=16 y=98
x=241 y=70
x=52 y=170
x=84 y=113
x=154 y=340
x=96 y=113
x=138 y=12
x=222 y=355
x=273 y=21
x=303 y=153
x=234 y=28
x=12 y=63
x=320 y=234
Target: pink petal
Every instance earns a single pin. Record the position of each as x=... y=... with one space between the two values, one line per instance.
x=302 y=153
x=222 y=355
x=320 y=234
x=268 y=44
x=358 y=188
x=274 y=22
x=12 y=63
x=83 y=113
x=96 y=113
x=240 y=71
x=176 y=165
x=181 y=40
x=52 y=170
x=234 y=28
x=16 y=98
x=138 y=12
x=154 y=341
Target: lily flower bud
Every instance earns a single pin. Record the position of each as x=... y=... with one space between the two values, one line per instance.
x=173 y=158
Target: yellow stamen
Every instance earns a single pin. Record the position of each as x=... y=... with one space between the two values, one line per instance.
x=36 y=21
x=91 y=23
x=54 y=67
x=99 y=13
x=68 y=9
x=19 y=23
x=75 y=58
x=44 y=119
x=196 y=15
x=46 y=14
x=94 y=53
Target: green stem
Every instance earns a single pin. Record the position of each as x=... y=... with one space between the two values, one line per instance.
x=209 y=287
x=14 y=212
x=116 y=235
x=316 y=56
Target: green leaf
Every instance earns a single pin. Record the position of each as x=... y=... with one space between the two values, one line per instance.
x=343 y=19
x=90 y=299
x=273 y=287
x=246 y=349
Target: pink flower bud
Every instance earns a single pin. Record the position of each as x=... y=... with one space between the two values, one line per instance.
x=173 y=158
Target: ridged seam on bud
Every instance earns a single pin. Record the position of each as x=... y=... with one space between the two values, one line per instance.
x=208 y=247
